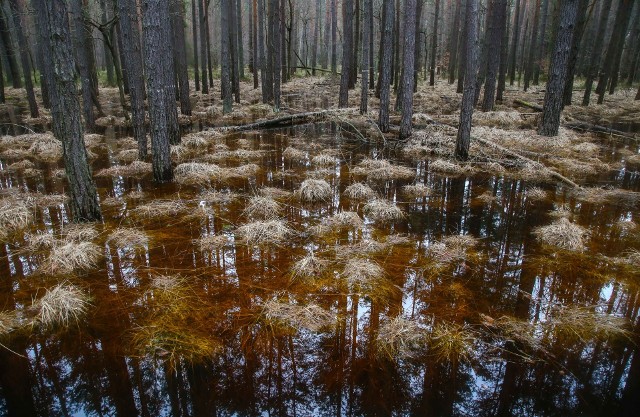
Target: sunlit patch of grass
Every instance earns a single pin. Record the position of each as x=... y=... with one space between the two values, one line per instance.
x=270 y=232
x=452 y=342
x=383 y=211
x=562 y=234
x=313 y=191
x=15 y=214
x=295 y=316
x=61 y=305
x=446 y=167
x=400 y=337
x=127 y=237
x=359 y=192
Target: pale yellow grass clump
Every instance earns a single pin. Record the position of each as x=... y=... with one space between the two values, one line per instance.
x=21 y=166
x=359 y=192
x=243 y=171
x=452 y=248
x=294 y=154
x=127 y=237
x=587 y=323
x=383 y=211
x=563 y=234
x=262 y=208
x=46 y=148
x=36 y=242
x=271 y=232
x=452 y=342
x=313 y=191
x=309 y=266
x=310 y=316
x=195 y=141
x=446 y=167
x=196 y=173
x=274 y=192
x=160 y=208
x=61 y=305
x=80 y=232
x=15 y=214
x=400 y=337
x=324 y=160
x=344 y=220
x=217 y=197
x=134 y=169
x=417 y=191
x=363 y=275
x=69 y=256
x=536 y=194
x=127 y=155
x=383 y=170
x=212 y=243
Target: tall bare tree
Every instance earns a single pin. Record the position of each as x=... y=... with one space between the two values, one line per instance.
x=347 y=55
x=463 y=139
x=17 y=12
x=385 y=68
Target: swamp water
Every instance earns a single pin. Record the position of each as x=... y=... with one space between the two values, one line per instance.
x=454 y=308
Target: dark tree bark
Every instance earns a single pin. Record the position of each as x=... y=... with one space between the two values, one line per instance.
x=504 y=54
x=203 y=45
x=82 y=62
x=434 y=44
x=132 y=63
x=274 y=11
x=265 y=66
x=347 y=55
x=2 y=96
x=397 y=47
x=355 y=27
x=326 y=35
x=180 y=54
x=194 y=35
x=366 y=34
x=65 y=112
x=7 y=41
x=542 y=42
x=108 y=59
x=614 y=51
x=550 y=121
x=417 y=48
x=596 y=52
x=453 y=43
x=462 y=52
x=464 y=131
x=225 y=56
x=514 y=45
x=46 y=70
x=233 y=48
x=371 y=43
x=531 y=60
x=385 y=68
x=286 y=51
x=316 y=33
x=410 y=14
x=157 y=57
x=254 y=40
x=334 y=37
x=583 y=16
x=240 y=45
x=209 y=60
x=496 y=36
x=16 y=11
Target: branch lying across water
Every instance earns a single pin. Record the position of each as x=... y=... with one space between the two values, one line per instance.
x=285 y=121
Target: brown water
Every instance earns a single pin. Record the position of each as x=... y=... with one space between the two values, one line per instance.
x=209 y=347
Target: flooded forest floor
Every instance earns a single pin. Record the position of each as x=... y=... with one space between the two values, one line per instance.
x=325 y=268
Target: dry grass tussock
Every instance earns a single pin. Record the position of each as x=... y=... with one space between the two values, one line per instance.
x=309 y=267
x=453 y=248
x=313 y=191
x=197 y=173
x=446 y=167
x=127 y=237
x=367 y=277
x=134 y=169
x=61 y=305
x=586 y=323
x=67 y=257
x=383 y=170
x=417 y=191
x=452 y=342
x=344 y=220
x=536 y=194
x=382 y=211
x=270 y=232
x=262 y=208
x=311 y=316
x=212 y=243
x=597 y=195
x=21 y=166
x=46 y=148
x=324 y=160
x=400 y=337
x=486 y=198
x=217 y=197
x=562 y=234
x=127 y=155
x=359 y=191
x=294 y=154
x=15 y=214
x=79 y=232
x=161 y=208
x=502 y=119
x=274 y=193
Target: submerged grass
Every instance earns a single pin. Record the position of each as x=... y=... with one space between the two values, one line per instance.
x=309 y=267
x=127 y=237
x=400 y=337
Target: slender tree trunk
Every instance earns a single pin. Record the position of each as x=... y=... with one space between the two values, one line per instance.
x=385 y=68
x=434 y=44
x=347 y=46
x=225 y=55
x=155 y=21
x=240 y=39
x=180 y=54
x=596 y=52
x=397 y=47
x=277 y=52
x=194 y=34
x=16 y=11
x=65 y=112
x=366 y=34
x=583 y=15
x=254 y=51
x=233 y=47
x=355 y=50
x=14 y=69
x=542 y=42
x=550 y=121
x=410 y=13
x=514 y=44
x=316 y=31
x=371 y=44
x=46 y=71
x=529 y=67
x=496 y=38
x=417 y=49
x=614 y=51
x=502 y=72
x=326 y=34
x=203 y=45
x=464 y=131
x=334 y=37
x=108 y=59
x=210 y=59
x=462 y=52
x=265 y=67
x=2 y=96
x=453 y=43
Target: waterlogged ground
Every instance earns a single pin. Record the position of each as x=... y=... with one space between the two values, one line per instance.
x=406 y=287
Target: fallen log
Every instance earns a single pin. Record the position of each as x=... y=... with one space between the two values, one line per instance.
x=527 y=104
x=583 y=126
x=552 y=173
x=284 y=121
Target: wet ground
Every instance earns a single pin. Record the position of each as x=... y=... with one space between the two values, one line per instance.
x=454 y=308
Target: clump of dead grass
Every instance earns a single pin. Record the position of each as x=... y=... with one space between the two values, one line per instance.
x=128 y=237
x=310 y=316
x=324 y=160
x=212 y=243
x=61 y=305
x=487 y=198
x=134 y=169
x=270 y=232
x=446 y=167
x=80 y=233
x=452 y=342
x=383 y=170
x=308 y=267
x=15 y=214
x=536 y=194
x=294 y=154
x=382 y=211
x=21 y=166
x=67 y=257
x=586 y=323
x=46 y=148
x=161 y=208
x=562 y=234
x=262 y=208
x=417 y=191
x=197 y=173
x=313 y=191
x=344 y=220
x=453 y=248
x=217 y=197
x=274 y=193
x=367 y=277
x=359 y=192
x=400 y=337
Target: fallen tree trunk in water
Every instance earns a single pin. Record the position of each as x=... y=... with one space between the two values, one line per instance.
x=582 y=126
x=284 y=121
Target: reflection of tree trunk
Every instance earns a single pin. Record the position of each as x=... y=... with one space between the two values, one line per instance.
x=172 y=390
x=15 y=380
x=630 y=402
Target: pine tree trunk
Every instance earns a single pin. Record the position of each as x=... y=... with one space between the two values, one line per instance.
x=155 y=20
x=453 y=44
x=240 y=37
x=385 y=68
x=334 y=37
x=578 y=31
x=514 y=45
x=471 y=30
x=496 y=37
x=14 y=69
x=225 y=55
x=327 y=34
x=528 y=69
x=364 y=92
x=2 y=96
x=462 y=51
x=265 y=77
x=194 y=35
x=596 y=52
x=316 y=31
x=274 y=10
x=371 y=44
x=434 y=44
x=417 y=48
x=180 y=54
x=108 y=59
x=233 y=48
x=542 y=42
x=46 y=70
x=16 y=10
x=384 y=45
x=347 y=46
x=550 y=121
x=210 y=59
x=131 y=49
x=612 y=58
x=65 y=112
x=410 y=13
x=203 y=46
x=397 y=47
x=355 y=50
x=254 y=38
x=504 y=55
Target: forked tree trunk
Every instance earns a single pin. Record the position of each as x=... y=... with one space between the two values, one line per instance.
x=180 y=54
x=65 y=112
x=434 y=44
x=550 y=121
x=155 y=21
x=347 y=46
x=16 y=11
x=385 y=67
x=225 y=56
x=364 y=92
x=464 y=131
x=410 y=13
